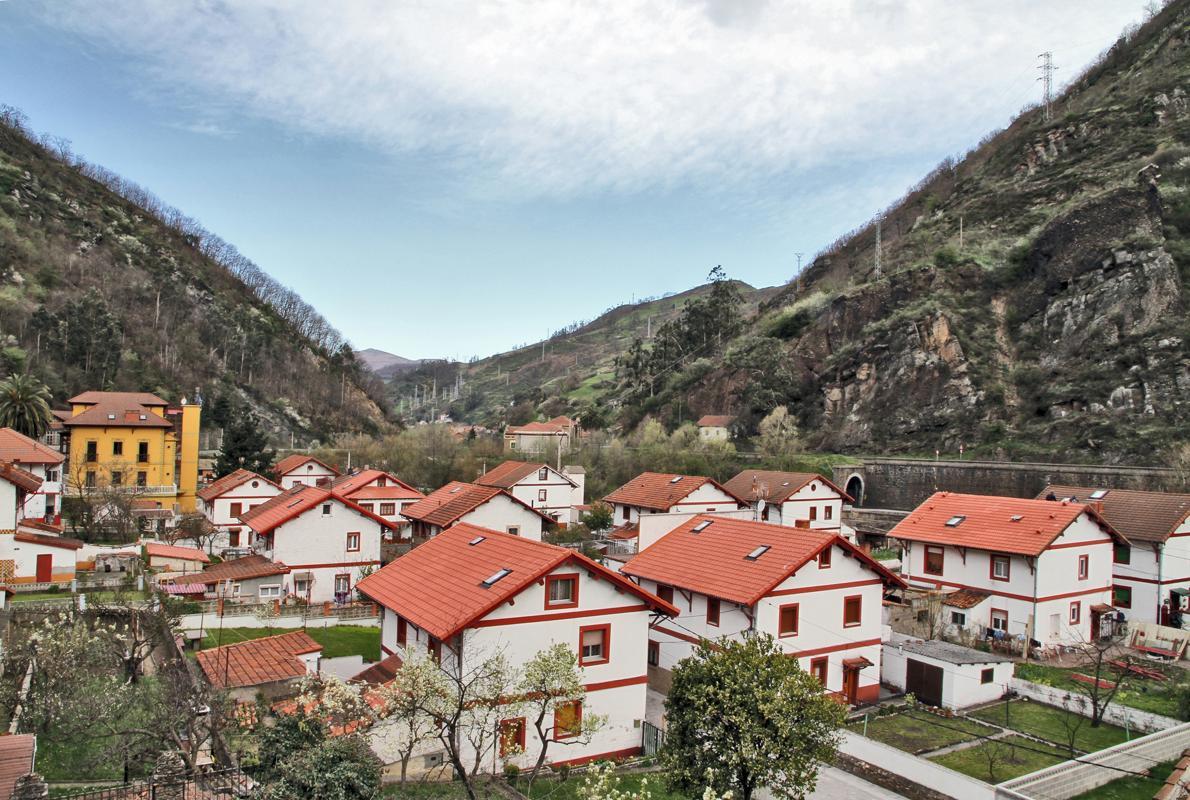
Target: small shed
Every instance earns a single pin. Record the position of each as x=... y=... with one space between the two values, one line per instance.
x=945 y=675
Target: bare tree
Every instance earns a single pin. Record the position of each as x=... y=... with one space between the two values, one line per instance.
x=1109 y=668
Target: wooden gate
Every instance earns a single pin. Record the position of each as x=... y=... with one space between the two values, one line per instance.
x=924 y=681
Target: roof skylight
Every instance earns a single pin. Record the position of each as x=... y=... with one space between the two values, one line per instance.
x=1099 y=494
x=758 y=552
x=702 y=526
x=675 y=479
x=955 y=521
x=1017 y=517
x=456 y=490
x=495 y=578
x=476 y=540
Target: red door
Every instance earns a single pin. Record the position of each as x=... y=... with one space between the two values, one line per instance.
x=45 y=568
x=850 y=684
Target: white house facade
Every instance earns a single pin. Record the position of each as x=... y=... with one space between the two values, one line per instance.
x=796 y=499
x=553 y=493
x=225 y=500
x=44 y=503
x=303 y=470
x=678 y=496
x=485 y=506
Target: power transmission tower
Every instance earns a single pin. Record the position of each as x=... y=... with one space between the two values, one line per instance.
x=1047 y=81
x=799 y=272
x=879 y=222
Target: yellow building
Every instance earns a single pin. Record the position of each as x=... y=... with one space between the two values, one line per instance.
x=133 y=441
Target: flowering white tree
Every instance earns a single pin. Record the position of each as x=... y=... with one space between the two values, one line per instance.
x=549 y=681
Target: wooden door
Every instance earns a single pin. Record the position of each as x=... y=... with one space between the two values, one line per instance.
x=924 y=681
x=850 y=684
x=45 y=568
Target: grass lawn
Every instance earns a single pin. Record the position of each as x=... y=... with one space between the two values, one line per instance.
x=1009 y=757
x=1158 y=697
x=1046 y=722
x=336 y=641
x=917 y=731
x=426 y=791
x=74 y=759
x=65 y=596
x=568 y=790
x=1132 y=787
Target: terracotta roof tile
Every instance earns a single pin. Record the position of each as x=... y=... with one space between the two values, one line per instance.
x=48 y=541
x=118 y=414
x=775 y=487
x=382 y=671
x=173 y=551
x=225 y=484
x=438 y=585
x=22 y=479
x=237 y=569
x=1001 y=524
x=362 y=485
x=290 y=463
x=557 y=425
x=1141 y=516
x=444 y=506
x=509 y=473
x=661 y=490
x=20 y=449
x=964 y=598
x=258 y=661
x=294 y=502
x=134 y=398
x=712 y=561
x=715 y=421
x=16 y=760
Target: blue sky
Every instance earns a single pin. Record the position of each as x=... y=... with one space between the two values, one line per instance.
x=455 y=178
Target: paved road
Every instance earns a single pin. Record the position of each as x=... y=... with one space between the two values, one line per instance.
x=835 y=784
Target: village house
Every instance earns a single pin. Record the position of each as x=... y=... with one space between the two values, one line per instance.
x=133 y=442
x=299 y=469
x=556 y=494
x=1016 y=561
x=470 y=593
x=559 y=434
x=377 y=491
x=814 y=592
x=251 y=579
x=327 y=541
x=796 y=499
x=271 y=666
x=32 y=555
x=946 y=675
x=486 y=506
x=1151 y=576
x=172 y=558
x=654 y=503
x=714 y=427
x=223 y=501
x=45 y=504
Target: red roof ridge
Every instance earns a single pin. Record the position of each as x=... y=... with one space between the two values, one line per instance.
x=221 y=486
x=256 y=661
x=661 y=490
x=295 y=460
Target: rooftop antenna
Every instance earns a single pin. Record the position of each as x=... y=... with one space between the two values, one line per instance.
x=1047 y=81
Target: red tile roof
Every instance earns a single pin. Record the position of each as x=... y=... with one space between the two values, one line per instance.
x=237 y=569
x=22 y=479
x=712 y=561
x=159 y=550
x=1141 y=516
x=444 y=506
x=225 y=484
x=47 y=541
x=715 y=420
x=290 y=463
x=557 y=425
x=117 y=414
x=362 y=486
x=509 y=473
x=16 y=760
x=382 y=671
x=20 y=449
x=989 y=522
x=774 y=486
x=437 y=585
x=964 y=598
x=659 y=491
x=257 y=661
x=294 y=502
x=133 y=398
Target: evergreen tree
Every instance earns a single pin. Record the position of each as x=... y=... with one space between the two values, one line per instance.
x=244 y=445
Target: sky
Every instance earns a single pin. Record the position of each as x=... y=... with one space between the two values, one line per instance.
x=449 y=179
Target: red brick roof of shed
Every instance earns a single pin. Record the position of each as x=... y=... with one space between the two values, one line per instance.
x=237 y=569
x=715 y=420
x=713 y=560
x=258 y=661
x=990 y=522
x=174 y=551
x=438 y=585
x=659 y=491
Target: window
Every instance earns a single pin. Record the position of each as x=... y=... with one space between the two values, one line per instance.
x=117 y=478
x=366 y=507
x=958 y=618
x=561 y=591
x=828 y=512
x=853 y=607
x=51 y=475
x=713 y=611
x=142 y=479
x=568 y=719
x=1000 y=567
x=758 y=552
x=353 y=542
x=813 y=513
x=495 y=578
x=543 y=473
x=626 y=513
x=235 y=509
x=987 y=675
x=326 y=509
x=270 y=592
x=1122 y=554
x=92 y=452
x=1084 y=567
x=512 y=737
x=342 y=584
x=787 y=619
x=654 y=653
x=1121 y=596
x=594 y=645
x=934 y=559
x=402 y=631
x=382 y=481
x=666 y=593
x=90 y=480
x=435 y=648
x=117 y=448
x=955 y=521
x=142 y=452
x=999 y=620
x=387 y=509
x=824 y=558
x=541 y=494
x=233 y=537
x=515 y=530
x=1076 y=612
x=818 y=669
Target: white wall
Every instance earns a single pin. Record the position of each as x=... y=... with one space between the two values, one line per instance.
x=654 y=526
x=500 y=513
x=309 y=474
x=8 y=506
x=962 y=684
x=24 y=557
x=1144 y=571
x=559 y=494
x=47 y=500
x=218 y=512
x=816 y=499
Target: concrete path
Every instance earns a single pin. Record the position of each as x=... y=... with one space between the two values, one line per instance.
x=835 y=784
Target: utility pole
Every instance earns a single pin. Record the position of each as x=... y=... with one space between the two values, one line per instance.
x=1047 y=81
x=799 y=272
x=879 y=221
x=960 y=233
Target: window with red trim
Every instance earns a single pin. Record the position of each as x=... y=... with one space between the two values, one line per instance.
x=353 y=542
x=568 y=719
x=813 y=513
x=934 y=559
x=561 y=591
x=1000 y=568
x=666 y=593
x=512 y=737
x=853 y=608
x=388 y=509
x=1000 y=620
x=1122 y=596
x=818 y=668
x=713 y=611
x=594 y=645
x=541 y=495
x=1084 y=567
x=787 y=620
x=828 y=512
x=654 y=653
x=235 y=509
x=1076 y=612
x=824 y=558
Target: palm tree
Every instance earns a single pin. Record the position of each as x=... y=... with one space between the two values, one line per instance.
x=24 y=405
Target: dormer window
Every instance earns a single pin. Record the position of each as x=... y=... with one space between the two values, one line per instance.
x=495 y=578
x=955 y=521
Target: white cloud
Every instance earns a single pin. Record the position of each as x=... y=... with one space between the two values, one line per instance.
x=563 y=98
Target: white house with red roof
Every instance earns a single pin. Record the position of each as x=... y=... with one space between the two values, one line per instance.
x=377 y=491
x=714 y=427
x=485 y=506
x=328 y=542
x=813 y=591
x=304 y=470
x=555 y=494
x=796 y=499
x=45 y=462
x=470 y=593
x=1015 y=561
x=560 y=433
x=174 y=558
x=654 y=503
x=224 y=500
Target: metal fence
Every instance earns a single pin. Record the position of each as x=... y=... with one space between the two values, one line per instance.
x=215 y=785
x=652 y=738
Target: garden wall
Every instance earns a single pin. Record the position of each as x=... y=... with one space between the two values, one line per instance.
x=1116 y=714
x=914 y=769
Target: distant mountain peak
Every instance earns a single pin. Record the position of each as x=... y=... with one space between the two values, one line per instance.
x=384 y=363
